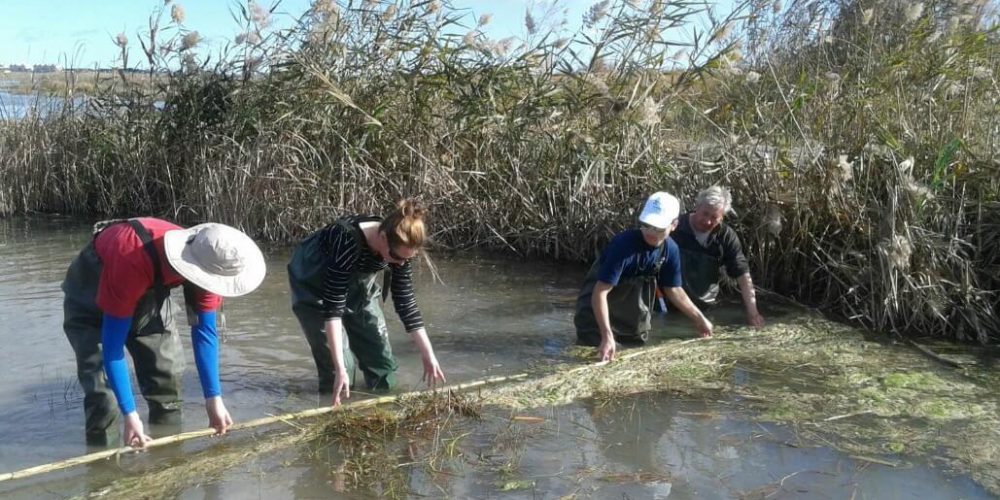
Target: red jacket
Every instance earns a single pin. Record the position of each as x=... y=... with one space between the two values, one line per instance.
x=127 y=272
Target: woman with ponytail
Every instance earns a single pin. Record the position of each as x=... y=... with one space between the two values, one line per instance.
x=336 y=295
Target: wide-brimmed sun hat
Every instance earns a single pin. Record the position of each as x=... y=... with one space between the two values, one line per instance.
x=660 y=210
x=216 y=257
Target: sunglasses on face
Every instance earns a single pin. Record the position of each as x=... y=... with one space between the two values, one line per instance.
x=653 y=230
x=395 y=256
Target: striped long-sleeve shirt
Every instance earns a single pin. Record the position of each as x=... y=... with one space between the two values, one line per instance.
x=345 y=256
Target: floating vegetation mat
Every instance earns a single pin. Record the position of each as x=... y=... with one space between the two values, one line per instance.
x=835 y=387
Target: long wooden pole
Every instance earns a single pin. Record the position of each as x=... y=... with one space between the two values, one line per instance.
x=186 y=436
x=366 y=403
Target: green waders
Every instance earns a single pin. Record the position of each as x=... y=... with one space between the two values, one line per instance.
x=630 y=306
x=153 y=344
x=365 y=332
x=701 y=277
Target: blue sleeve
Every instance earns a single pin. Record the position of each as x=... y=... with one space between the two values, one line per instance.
x=205 y=343
x=613 y=261
x=114 y=332
x=670 y=271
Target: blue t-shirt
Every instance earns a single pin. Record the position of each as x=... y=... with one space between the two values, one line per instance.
x=627 y=255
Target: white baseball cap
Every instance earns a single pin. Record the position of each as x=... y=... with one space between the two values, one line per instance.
x=660 y=210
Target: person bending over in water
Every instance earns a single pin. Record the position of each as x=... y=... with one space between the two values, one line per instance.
x=336 y=296
x=616 y=299
x=117 y=296
x=707 y=244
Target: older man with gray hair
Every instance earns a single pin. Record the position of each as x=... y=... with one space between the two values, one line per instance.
x=706 y=244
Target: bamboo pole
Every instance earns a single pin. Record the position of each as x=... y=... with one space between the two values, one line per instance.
x=366 y=403
x=186 y=436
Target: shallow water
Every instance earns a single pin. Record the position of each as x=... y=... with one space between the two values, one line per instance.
x=647 y=446
x=17 y=106
x=490 y=316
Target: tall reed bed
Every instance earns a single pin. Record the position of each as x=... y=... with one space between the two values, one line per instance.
x=858 y=136
x=865 y=135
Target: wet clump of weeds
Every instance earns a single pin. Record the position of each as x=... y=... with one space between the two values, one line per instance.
x=368 y=450
x=440 y=434
x=373 y=450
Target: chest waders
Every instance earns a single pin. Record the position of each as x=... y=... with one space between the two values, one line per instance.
x=152 y=342
x=701 y=276
x=365 y=334
x=630 y=306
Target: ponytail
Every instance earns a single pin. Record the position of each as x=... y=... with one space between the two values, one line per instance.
x=404 y=227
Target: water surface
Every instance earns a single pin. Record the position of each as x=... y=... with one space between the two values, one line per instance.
x=486 y=316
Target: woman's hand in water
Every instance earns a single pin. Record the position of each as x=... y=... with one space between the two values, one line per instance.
x=341 y=384
x=432 y=371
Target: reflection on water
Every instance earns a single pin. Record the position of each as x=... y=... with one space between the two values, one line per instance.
x=489 y=316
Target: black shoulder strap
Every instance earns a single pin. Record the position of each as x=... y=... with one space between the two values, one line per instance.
x=352 y=224
x=661 y=258
x=659 y=264
x=104 y=224
x=386 y=282
x=147 y=244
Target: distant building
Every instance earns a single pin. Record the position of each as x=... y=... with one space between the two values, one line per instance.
x=46 y=68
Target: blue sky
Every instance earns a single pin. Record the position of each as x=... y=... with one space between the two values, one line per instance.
x=80 y=34
x=75 y=33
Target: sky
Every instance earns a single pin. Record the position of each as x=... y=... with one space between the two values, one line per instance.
x=75 y=33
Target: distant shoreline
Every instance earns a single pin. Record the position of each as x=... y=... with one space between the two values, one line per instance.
x=62 y=81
